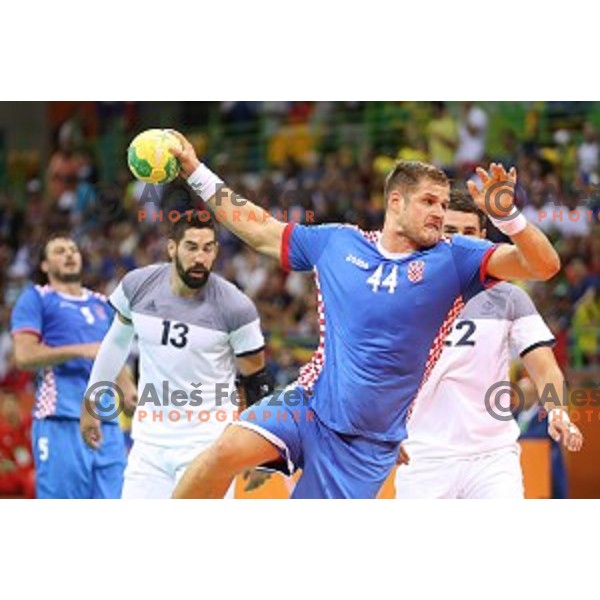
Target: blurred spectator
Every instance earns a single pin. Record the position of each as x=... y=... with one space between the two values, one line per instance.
x=442 y=137
x=294 y=141
x=588 y=152
x=5 y=342
x=250 y=271
x=572 y=219
x=17 y=474
x=472 y=134
x=578 y=279
x=63 y=169
x=586 y=329
x=11 y=220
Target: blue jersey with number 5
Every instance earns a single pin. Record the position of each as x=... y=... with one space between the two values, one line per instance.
x=384 y=319
x=59 y=320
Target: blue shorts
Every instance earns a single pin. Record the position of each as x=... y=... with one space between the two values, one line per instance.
x=67 y=468
x=334 y=465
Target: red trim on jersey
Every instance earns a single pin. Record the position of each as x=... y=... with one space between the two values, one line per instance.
x=486 y=280
x=285 y=247
x=46 y=397
x=28 y=330
x=311 y=371
x=438 y=345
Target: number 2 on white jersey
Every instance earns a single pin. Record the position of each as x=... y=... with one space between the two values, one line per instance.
x=390 y=282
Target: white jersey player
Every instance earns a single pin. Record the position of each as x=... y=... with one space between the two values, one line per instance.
x=457 y=447
x=194 y=329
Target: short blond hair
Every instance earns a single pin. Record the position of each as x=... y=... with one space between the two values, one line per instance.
x=407 y=174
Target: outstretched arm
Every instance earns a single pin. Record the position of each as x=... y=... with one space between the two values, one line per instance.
x=249 y=222
x=532 y=257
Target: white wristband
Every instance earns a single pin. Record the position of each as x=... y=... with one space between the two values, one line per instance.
x=514 y=223
x=559 y=415
x=204 y=182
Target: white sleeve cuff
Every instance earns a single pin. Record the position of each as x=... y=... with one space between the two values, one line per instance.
x=512 y=224
x=204 y=182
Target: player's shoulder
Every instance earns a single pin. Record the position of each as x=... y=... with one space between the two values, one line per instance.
x=147 y=272
x=96 y=296
x=227 y=293
x=138 y=280
x=347 y=234
x=371 y=236
x=492 y=303
x=41 y=290
x=237 y=309
x=503 y=289
x=31 y=295
x=463 y=242
x=329 y=229
x=37 y=293
x=520 y=302
x=503 y=301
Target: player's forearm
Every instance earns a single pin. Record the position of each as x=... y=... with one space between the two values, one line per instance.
x=246 y=220
x=125 y=379
x=249 y=222
x=536 y=253
x=551 y=388
x=39 y=356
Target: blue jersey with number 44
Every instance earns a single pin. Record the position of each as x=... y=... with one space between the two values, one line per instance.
x=384 y=319
x=59 y=320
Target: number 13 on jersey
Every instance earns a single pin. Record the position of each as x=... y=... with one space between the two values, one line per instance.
x=174 y=334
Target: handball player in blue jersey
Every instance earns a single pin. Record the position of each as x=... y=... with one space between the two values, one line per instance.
x=57 y=330
x=387 y=302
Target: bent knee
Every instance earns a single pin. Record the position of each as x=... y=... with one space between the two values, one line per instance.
x=239 y=449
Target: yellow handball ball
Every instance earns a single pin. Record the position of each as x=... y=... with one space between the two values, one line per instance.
x=149 y=158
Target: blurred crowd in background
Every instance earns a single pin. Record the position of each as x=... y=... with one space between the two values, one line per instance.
x=301 y=160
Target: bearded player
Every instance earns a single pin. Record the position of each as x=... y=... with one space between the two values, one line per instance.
x=194 y=330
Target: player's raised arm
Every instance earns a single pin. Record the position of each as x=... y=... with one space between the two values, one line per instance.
x=532 y=257
x=246 y=220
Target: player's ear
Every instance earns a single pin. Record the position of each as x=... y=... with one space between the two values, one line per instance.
x=484 y=234
x=172 y=249
x=44 y=267
x=394 y=200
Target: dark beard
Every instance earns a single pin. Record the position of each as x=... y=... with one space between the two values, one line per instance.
x=194 y=283
x=68 y=277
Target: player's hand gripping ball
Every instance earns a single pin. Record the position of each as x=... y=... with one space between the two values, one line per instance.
x=149 y=158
